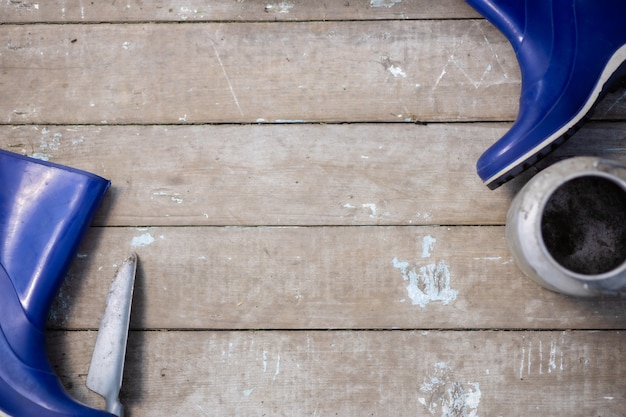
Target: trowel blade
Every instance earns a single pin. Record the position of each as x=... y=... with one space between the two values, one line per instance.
x=107 y=362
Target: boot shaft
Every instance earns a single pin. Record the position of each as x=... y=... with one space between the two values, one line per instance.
x=45 y=209
x=571 y=53
x=590 y=21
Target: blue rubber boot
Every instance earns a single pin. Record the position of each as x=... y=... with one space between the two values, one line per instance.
x=571 y=54
x=45 y=209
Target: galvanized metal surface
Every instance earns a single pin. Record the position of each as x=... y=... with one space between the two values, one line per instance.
x=567 y=227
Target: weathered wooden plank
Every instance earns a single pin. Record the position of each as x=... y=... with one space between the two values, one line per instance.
x=361 y=373
x=18 y=11
x=320 y=278
x=278 y=174
x=321 y=71
x=170 y=73
x=353 y=174
x=394 y=71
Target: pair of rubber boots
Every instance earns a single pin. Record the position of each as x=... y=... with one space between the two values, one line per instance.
x=571 y=53
x=45 y=209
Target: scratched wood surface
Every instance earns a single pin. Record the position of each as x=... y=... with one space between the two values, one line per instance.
x=348 y=373
x=321 y=278
x=260 y=71
x=432 y=70
x=293 y=175
x=237 y=10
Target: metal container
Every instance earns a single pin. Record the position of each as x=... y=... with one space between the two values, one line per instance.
x=567 y=227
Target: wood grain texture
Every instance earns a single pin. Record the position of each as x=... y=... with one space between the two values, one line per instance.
x=383 y=71
x=277 y=175
x=68 y=11
x=372 y=71
x=321 y=278
x=355 y=174
x=396 y=373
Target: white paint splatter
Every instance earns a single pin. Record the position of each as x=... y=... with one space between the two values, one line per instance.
x=471 y=398
x=143 y=240
x=372 y=208
x=47 y=145
x=375 y=212
x=435 y=380
x=396 y=71
x=174 y=196
x=187 y=12
x=427 y=246
x=248 y=392
x=23 y=5
x=41 y=156
x=384 y=3
x=282 y=7
x=453 y=398
x=431 y=283
x=393 y=68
